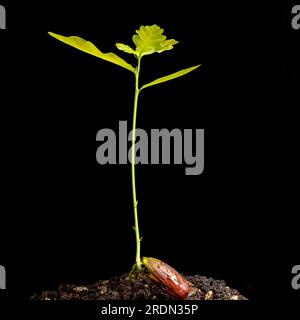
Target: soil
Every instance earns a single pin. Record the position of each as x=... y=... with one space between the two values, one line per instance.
x=121 y=288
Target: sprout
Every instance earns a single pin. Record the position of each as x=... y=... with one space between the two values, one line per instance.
x=147 y=40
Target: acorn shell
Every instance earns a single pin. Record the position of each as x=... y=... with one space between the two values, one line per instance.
x=166 y=276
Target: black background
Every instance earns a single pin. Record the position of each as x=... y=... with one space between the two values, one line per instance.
x=65 y=218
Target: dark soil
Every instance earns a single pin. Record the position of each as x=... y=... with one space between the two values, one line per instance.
x=120 y=288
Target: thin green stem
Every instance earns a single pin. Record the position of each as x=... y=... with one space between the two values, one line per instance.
x=136 y=221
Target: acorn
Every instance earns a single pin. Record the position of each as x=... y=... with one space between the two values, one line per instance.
x=167 y=278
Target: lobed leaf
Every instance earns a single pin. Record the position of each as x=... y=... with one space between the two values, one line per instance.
x=90 y=48
x=150 y=39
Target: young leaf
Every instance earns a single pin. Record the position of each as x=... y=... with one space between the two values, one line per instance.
x=150 y=39
x=125 y=48
x=90 y=48
x=170 y=77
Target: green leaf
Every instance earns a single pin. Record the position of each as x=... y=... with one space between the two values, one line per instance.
x=125 y=48
x=150 y=39
x=90 y=48
x=170 y=77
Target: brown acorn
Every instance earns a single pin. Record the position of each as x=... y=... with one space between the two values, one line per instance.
x=167 y=277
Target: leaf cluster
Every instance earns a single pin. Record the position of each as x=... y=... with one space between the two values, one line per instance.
x=147 y=40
